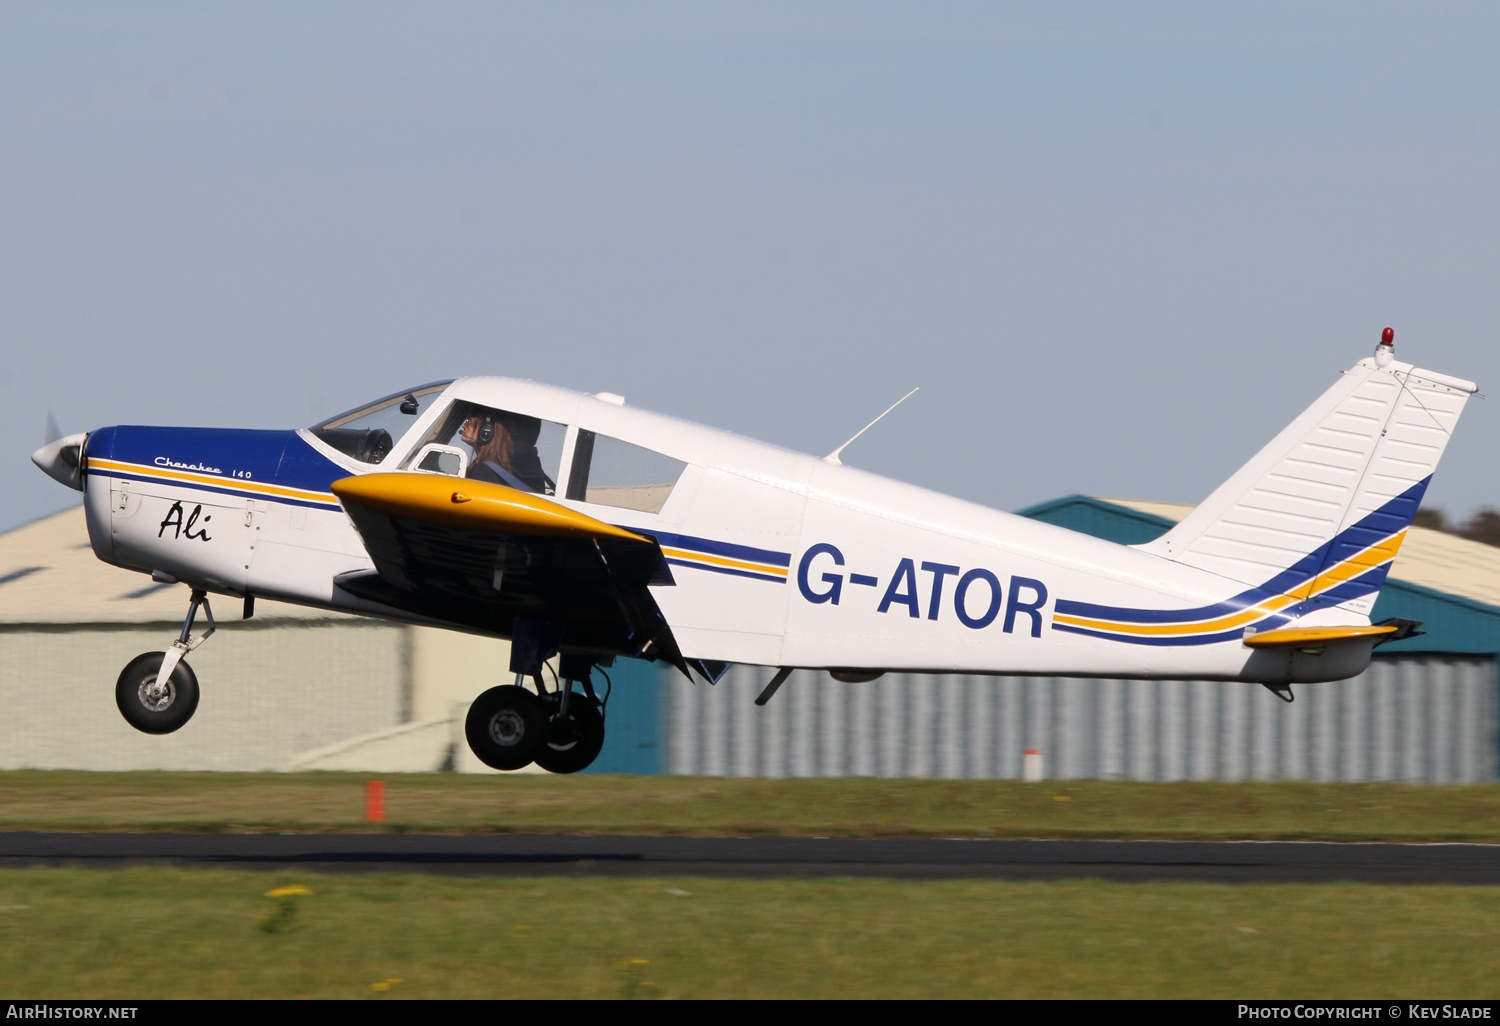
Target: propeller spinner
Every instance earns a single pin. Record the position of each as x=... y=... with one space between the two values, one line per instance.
x=61 y=459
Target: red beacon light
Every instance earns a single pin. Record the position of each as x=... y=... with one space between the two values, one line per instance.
x=1385 y=353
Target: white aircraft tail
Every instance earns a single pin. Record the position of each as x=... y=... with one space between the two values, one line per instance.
x=1319 y=513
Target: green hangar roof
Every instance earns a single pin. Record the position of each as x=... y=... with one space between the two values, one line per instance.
x=1449 y=583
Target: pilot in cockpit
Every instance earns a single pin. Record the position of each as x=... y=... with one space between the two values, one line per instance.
x=505 y=453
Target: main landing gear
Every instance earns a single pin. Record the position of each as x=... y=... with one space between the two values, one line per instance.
x=562 y=730
x=157 y=691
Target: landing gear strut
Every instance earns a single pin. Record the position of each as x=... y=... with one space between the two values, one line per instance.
x=157 y=691
x=576 y=723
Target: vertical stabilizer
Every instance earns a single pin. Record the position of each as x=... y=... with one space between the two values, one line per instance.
x=1321 y=511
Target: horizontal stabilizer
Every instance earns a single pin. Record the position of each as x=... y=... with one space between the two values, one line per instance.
x=469 y=505
x=1313 y=637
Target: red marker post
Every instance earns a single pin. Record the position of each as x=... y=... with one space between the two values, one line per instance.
x=375 y=801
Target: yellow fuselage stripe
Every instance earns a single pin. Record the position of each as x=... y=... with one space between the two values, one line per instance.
x=738 y=564
x=1367 y=559
x=1223 y=623
x=239 y=484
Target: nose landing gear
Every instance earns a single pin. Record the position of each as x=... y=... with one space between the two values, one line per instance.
x=157 y=692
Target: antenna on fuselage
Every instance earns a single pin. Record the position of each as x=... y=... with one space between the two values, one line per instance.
x=833 y=457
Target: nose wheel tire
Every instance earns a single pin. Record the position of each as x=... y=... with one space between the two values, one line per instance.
x=506 y=727
x=574 y=743
x=155 y=709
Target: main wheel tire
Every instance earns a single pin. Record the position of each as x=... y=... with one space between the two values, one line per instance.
x=156 y=714
x=506 y=727
x=572 y=745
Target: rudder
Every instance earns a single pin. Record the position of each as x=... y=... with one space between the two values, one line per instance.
x=1321 y=511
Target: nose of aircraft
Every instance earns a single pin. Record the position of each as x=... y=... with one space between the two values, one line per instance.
x=61 y=460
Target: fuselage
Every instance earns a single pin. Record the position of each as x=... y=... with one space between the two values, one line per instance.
x=779 y=558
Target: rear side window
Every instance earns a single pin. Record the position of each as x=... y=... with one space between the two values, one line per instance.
x=610 y=472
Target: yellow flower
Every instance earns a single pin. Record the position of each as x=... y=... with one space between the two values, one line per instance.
x=288 y=892
x=384 y=985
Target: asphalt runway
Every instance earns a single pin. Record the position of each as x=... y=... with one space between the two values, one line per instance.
x=911 y=858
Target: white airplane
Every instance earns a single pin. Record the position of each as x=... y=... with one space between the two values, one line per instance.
x=582 y=528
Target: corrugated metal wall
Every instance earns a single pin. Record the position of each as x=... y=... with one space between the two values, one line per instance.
x=1452 y=624
x=633 y=720
x=1418 y=719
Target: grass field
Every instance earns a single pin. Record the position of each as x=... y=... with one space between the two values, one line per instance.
x=147 y=932
x=161 y=932
x=861 y=807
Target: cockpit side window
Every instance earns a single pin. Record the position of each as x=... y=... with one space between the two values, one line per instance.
x=506 y=448
x=610 y=472
x=368 y=433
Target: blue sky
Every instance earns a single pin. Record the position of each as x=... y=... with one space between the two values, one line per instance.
x=1117 y=246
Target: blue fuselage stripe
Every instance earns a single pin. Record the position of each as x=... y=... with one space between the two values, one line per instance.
x=718 y=548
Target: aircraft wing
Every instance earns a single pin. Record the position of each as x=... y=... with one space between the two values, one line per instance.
x=479 y=554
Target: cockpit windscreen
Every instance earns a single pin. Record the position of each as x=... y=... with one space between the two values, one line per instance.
x=369 y=432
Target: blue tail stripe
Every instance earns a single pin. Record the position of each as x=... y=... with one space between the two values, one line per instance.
x=1352 y=589
x=1395 y=515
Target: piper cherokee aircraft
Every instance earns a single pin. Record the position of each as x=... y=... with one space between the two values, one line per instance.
x=582 y=528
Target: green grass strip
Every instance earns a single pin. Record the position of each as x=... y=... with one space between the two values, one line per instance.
x=858 y=807
x=157 y=932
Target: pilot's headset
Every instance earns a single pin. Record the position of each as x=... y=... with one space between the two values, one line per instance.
x=486 y=430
